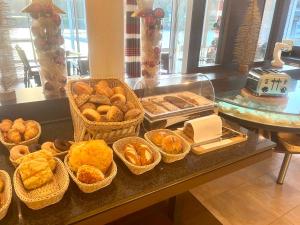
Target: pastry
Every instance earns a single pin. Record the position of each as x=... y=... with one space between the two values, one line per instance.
x=62 y=145
x=87 y=105
x=6 y=125
x=103 y=118
x=30 y=133
x=18 y=152
x=31 y=124
x=189 y=99
x=180 y=103
x=99 y=100
x=94 y=153
x=35 y=173
x=35 y=147
x=104 y=90
x=157 y=137
x=145 y=154
x=153 y=108
x=166 y=105
x=131 y=155
x=132 y=114
x=114 y=114
x=14 y=136
x=81 y=99
x=103 y=109
x=118 y=97
x=49 y=146
x=19 y=126
x=44 y=154
x=80 y=88
x=121 y=105
x=102 y=83
x=19 y=120
x=2 y=185
x=172 y=144
x=119 y=90
x=89 y=174
x=130 y=105
x=91 y=115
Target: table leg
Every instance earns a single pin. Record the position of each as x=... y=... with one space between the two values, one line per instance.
x=284 y=167
x=175 y=208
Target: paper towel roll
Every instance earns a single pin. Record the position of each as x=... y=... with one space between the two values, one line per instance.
x=204 y=129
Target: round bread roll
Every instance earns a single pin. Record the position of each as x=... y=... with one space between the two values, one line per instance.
x=89 y=174
x=99 y=100
x=172 y=144
x=130 y=105
x=121 y=105
x=6 y=125
x=103 y=109
x=157 y=137
x=132 y=114
x=30 y=133
x=14 y=136
x=102 y=83
x=102 y=90
x=80 y=88
x=119 y=90
x=87 y=105
x=19 y=126
x=18 y=151
x=118 y=97
x=115 y=114
x=91 y=115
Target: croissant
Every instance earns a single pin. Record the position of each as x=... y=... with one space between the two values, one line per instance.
x=30 y=133
x=14 y=136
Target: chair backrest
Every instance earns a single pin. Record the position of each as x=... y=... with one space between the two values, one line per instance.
x=83 y=65
x=23 y=57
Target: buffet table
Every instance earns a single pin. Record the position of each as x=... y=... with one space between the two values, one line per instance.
x=129 y=193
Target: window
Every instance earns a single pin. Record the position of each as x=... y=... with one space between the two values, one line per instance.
x=292 y=28
x=265 y=30
x=211 y=31
x=73 y=26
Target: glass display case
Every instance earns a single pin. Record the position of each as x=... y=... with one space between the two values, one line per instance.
x=172 y=99
x=279 y=112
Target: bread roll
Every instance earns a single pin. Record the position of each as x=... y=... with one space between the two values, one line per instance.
x=91 y=115
x=99 y=99
x=80 y=88
x=131 y=155
x=14 y=136
x=118 y=97
x=6 y=125
x=145 y=154
x=102 y=90
x=115 y=114
x=30 y=133
x=119 y=90
x=157 y=137
x=19 y=126
x=89 y=174
x=87 y=105
x=172 y=144
x=132 y=114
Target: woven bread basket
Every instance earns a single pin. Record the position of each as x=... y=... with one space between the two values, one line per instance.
x=6 y=195
x=34 y=140
x=137 y=170
x=166 y=157
x=46 y=195
x=108 y=131
x=89 y=188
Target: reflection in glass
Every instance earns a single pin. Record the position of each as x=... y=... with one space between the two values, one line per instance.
x=292 y=28
x=211 y=31
x=265 y=30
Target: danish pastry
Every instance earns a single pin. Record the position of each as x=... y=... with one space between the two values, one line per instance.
x=91 y=115
x=118 y=97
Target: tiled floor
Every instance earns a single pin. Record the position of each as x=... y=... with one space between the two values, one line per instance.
x=252 y=197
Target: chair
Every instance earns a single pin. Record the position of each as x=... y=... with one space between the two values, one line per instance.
x=30 y=71
x=83 y=67
x=291 y=145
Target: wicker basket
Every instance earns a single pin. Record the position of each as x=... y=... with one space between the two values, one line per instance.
x=34 y=140
x=89 y=188
x=291 y=142
x=137 y=170
x=6 y=195
x=46 y=195
x=169 y=158
x=108 y=131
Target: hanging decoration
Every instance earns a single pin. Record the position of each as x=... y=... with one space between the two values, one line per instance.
x=48 y=40
x=8 y=74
